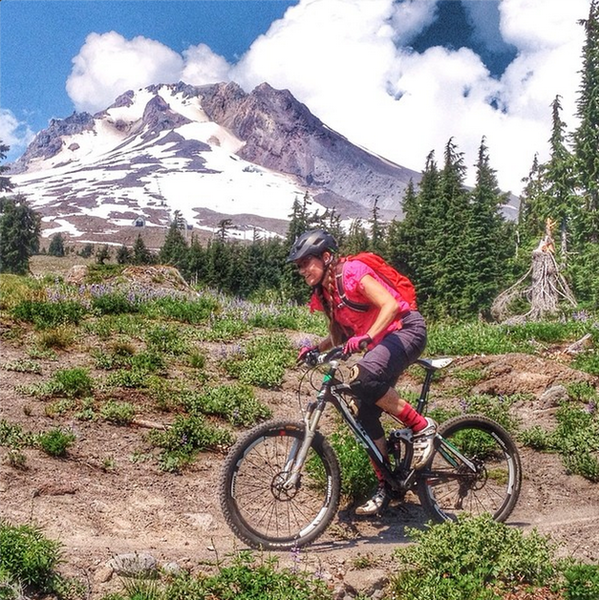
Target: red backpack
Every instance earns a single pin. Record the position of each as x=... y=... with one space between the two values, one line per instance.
x=385 y=271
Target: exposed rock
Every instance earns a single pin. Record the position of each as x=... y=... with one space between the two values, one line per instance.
x=553 y=396
x=132 y=565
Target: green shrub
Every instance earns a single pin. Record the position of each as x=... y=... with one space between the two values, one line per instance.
x=187 y=436
x=28 y=556
x=55 y=442
x=13 y=436
x=357 y=476
x=587 y=362
x=128 y=378
x=186 y=310
x=536 y=438
x=74 y=383
x=114 y=303
x=44 y=314
x=23 y=365
x=581 y=582
x=168 y=339
x=118 y=413
x=223 y=329
x=576 y=438
x=486 y=338
x=236 y=403
x=474 y=558
x=264 y=361
x=246 y=578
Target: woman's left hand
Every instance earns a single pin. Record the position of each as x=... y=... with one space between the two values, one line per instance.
x=356 y=343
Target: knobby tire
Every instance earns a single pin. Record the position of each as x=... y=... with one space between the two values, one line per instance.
x=447 y=488
x=256 y=506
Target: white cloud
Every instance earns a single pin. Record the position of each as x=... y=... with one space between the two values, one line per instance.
x=108 y=65
x=202 y=66
x=14 y=133
x=348 y=61
x=343 y=58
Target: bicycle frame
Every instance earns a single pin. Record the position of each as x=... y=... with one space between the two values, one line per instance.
x=331 y=392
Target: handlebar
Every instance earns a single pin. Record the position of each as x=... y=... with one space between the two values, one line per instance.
x=314 y=358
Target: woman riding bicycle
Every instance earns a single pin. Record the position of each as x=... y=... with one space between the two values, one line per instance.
x=393 y=334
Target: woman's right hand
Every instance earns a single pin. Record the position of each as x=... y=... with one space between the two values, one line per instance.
x=307 y=353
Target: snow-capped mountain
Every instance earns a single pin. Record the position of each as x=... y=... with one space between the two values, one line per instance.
x=209 y=152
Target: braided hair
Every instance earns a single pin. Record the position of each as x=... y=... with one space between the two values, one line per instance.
x=337 y=332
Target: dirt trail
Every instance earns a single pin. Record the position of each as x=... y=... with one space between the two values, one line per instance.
x=109 y=498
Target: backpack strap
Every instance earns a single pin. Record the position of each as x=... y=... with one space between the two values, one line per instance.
x=345 y=301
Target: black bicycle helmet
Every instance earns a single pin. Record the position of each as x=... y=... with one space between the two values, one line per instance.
x=312 y=243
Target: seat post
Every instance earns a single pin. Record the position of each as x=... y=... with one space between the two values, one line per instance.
x=428 y=378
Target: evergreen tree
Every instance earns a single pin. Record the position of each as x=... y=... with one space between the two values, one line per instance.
x=20 y=228
x=174 y=249
x=218 y=265
x=195 y=268
x=560 y=184
x=103 y=254
x=141 y=255
x=299 y=219
x=406 y=237
x=123 y=255
x=586 y=137
x=415 y=248
x=56 y=247
x=5 y=183
x=86 y=251
x=531 y=214
x=377 y=231
x=222 y=232
x=357 y=239
x=488 y=243
x=451 y=218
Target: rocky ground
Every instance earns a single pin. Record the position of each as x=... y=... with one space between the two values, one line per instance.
x=108 y=497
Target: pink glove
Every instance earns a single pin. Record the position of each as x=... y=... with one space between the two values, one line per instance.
x=305 y=352
x=356 y=343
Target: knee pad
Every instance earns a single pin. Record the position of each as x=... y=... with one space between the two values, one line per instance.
x=366 y=385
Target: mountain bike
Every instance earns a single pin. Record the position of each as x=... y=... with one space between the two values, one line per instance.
x=281 y=482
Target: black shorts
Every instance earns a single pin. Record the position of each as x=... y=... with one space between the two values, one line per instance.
x=397 y=350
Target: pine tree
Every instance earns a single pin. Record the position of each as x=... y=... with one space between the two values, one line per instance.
x=141 y=255
x=560 y=183
x=451 y=220
x=20 y=228
x=299 y=219
x=123 y=255
x=56 y=247
x=377 y=231
x=174 y=249
x=531 y=212
x=86 y=251
x=5 y=183
x=586 y=137
x=415 y=252
x=103 y=254
x=357 y=238
x=195 y=268
x=488 y=243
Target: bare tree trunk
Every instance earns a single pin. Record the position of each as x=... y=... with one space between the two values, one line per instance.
x=544 y=289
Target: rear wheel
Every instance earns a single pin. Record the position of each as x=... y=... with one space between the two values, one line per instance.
x=257 y=505
x=488 y=481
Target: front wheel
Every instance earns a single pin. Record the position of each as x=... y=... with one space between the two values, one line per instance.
x=258 y=507
x=475 y=469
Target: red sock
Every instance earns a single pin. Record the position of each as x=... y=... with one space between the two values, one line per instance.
x=377 y=472
x=409 y=416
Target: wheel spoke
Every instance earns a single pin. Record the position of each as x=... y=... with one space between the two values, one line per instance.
x=257 y=506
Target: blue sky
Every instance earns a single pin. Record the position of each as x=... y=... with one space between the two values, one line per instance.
x=399 y=77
